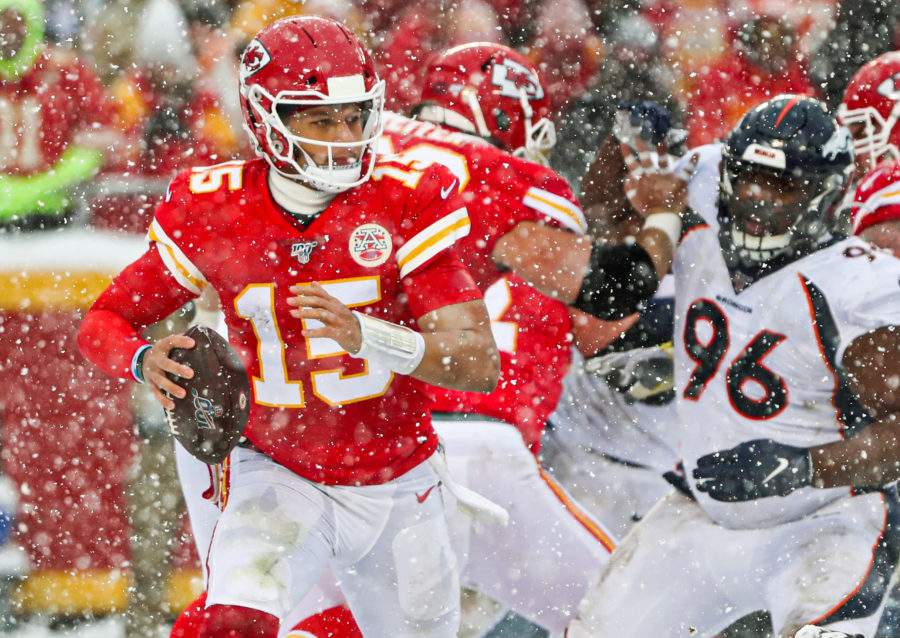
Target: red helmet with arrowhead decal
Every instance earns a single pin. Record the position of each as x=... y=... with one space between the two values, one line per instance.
x=302 y=62
x=871 y=109
x=877 y=197
x=493 y=91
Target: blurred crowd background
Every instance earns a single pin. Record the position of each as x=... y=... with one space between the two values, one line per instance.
x=103 y=101
x=161 y=74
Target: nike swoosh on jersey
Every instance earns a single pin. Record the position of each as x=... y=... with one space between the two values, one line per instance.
x=782 y=466
x=446 y=191
x=421 y=497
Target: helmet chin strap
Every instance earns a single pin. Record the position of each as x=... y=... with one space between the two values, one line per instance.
x=328 y=179
x=540 y=136
x=470 y=98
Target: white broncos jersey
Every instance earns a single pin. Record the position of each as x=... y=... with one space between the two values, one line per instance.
x=764 y=363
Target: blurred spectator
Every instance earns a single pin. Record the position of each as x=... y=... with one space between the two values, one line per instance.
x=109 y=41
x=764 y=61
x=166 y=121
x=63 y=21
x=219 y=120
x=632 y=70
x=566 y=49
x=423 y=29
x=864 y=29
x=251 y=16
x=53 y=116
x=515 y=18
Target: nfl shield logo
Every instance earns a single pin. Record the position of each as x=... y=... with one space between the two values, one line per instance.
x=302 y=250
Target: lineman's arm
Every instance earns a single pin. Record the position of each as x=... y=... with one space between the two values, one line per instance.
x=607 y=281
x=764 y=467
x=556 y=261
x=872 y=457
x=456 y=350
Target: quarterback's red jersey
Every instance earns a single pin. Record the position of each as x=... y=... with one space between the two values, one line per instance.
x=532 y=331
x=383 y=248
x=44 y=112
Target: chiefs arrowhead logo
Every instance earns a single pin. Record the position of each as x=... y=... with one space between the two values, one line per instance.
x=254 y=58
x=510 y=76
x=890 y=88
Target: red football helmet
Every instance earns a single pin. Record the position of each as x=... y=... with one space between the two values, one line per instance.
x=493 y=91
x=877 y=197
x=304 y=61
x=872 y=99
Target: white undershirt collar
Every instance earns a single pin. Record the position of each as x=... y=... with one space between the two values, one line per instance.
x=301 y=201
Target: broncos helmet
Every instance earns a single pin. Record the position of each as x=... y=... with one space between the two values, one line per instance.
x=301 y=62
x=785 y=168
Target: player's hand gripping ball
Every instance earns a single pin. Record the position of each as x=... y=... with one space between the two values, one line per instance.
x=209 y=421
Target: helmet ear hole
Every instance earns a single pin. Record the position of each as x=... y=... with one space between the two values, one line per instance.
x=502 y=119
x=277 y=144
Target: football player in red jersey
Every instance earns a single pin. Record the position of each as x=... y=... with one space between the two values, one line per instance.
x=322 y=257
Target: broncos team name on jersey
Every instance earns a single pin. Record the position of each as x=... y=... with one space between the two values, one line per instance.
x=765 y=362
x=383 y=248
x=531 y=330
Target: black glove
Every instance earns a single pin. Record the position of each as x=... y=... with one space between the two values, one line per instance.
x=755 y=469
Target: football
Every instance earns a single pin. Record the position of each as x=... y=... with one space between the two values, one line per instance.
x=210 y=420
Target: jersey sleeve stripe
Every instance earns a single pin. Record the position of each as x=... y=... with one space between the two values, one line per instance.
x=429 y=242
x=594 y=528
x=184 y=272
x=556 y=207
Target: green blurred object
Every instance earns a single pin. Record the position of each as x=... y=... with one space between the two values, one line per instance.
x=47 y=193
x=22 y=61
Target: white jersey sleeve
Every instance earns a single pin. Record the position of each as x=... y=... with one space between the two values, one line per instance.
x=867 y=296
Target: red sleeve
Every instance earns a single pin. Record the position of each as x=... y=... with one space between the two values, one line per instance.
x=433 y=219
x=520 y=191
x=139 y=296
x=550 y=197
x=445 y=282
